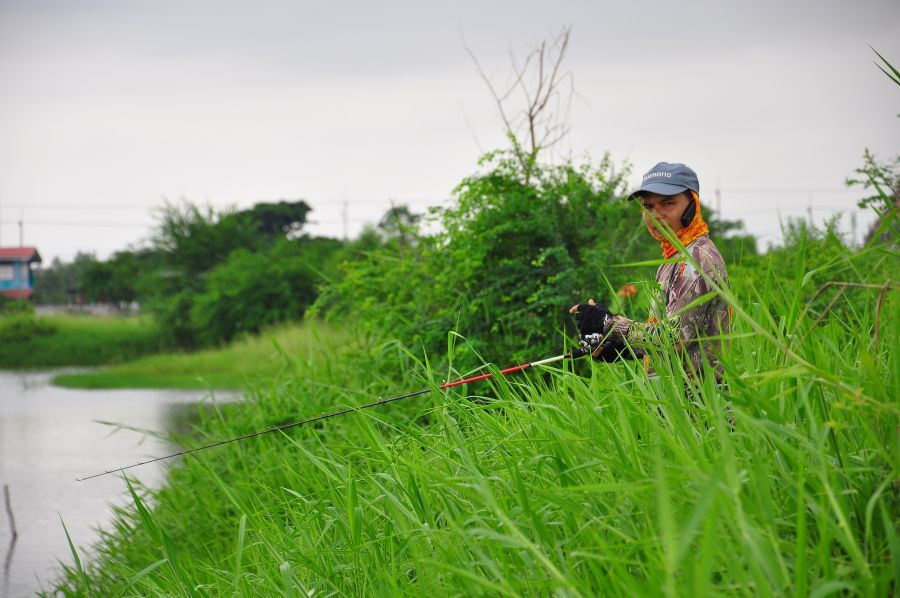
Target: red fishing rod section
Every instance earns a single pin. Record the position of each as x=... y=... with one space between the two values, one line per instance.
x=512 y=370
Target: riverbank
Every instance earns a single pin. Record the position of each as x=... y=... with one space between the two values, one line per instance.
x=605 y=484
x=243 y=363
x=49 y=436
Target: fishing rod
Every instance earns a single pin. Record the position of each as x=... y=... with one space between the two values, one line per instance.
x=574 y=354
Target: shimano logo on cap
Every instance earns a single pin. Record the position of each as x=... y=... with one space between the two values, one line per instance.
x=668 y=179
x=655 y=174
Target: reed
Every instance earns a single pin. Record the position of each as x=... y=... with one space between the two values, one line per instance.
x=582 y=480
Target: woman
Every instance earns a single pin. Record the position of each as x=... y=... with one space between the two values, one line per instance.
x=670 y=200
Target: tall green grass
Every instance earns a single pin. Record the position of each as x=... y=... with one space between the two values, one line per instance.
x=248 y=361
x=584 y=480
x=71 y=340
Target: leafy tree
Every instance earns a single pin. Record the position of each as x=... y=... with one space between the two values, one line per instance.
x=62 y=282
x=518 y=247
x=252 y=290
x=399 y=225
x=882 y=181
x=125 y=277
x=195 y=239
x=204 y=251
x=273 y=219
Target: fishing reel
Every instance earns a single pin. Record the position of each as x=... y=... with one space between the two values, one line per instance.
x=594 y=322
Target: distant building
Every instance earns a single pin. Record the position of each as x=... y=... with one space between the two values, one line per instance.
x=16 y=275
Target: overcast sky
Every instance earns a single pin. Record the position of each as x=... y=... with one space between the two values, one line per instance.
x=109 y=108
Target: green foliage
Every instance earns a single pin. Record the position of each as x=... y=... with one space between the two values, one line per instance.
x=23 y=326
x=173 y=311
x=196 y=239
x=61 y=283
x=283 y=217
x=235 y=272
x=57 y=341
x=511 y=256
x=604 y=484
x=580 y=480
x=248 y=361
x=252 y=290
x=882 y=179
x=887 y=68
x=10 y=306
x=126 y=277
x=515 y=250
x=811 y=258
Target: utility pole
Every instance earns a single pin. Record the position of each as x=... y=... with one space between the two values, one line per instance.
x=21 y=228
x=809 y=209
x=344 y=216
x=718 y=201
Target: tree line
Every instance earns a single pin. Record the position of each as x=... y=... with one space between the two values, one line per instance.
x=516 y=247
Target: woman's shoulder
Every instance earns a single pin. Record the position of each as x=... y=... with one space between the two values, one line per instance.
x=705 y=252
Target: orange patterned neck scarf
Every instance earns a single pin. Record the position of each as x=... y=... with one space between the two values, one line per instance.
x=686 y=235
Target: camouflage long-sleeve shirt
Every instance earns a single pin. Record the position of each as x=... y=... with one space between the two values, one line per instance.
x=695 y=330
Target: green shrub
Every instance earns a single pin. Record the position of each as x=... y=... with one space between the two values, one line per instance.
x=10 y=306
x=252 y=290
x=23 y=326
x=56 y=341
x=511 y=257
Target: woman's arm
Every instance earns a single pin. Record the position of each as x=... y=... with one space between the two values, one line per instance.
x=681 y=284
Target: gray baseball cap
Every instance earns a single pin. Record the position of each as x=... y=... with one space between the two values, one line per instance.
x=668 y=179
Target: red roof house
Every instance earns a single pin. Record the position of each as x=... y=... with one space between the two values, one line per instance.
x=16 y=274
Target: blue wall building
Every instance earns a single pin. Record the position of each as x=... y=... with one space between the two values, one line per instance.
x=16 y=274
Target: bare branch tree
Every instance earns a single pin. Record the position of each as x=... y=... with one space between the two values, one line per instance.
x=544 y=96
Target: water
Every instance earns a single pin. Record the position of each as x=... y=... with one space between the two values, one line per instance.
x=48 y=437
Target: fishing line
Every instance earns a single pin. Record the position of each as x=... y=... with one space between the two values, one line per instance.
x=574 y=354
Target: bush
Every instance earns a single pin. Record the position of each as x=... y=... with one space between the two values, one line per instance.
x=23 y=326
x=58 y=341
x=511 y=258
x=10 y=306
x=252 y=290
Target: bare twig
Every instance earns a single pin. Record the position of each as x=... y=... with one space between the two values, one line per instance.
x=9 y=513
x=888 y=285
x=841 y=289
x=881 y=297
x=542 y=118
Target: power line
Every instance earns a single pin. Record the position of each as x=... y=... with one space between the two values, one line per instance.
x=87 y=224
x=78 y=207
x=794 y=209
x=314 y=203
x=786 y=190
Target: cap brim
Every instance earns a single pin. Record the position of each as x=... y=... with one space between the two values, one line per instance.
x=659 y=189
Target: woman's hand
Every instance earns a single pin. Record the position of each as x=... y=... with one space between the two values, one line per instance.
x=574 y=308
x=591 y=318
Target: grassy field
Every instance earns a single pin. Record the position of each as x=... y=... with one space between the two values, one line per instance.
x=589 y=479
x=246 y=362
x=74 y=340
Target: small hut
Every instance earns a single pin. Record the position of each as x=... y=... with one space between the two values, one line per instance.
x=16 y=273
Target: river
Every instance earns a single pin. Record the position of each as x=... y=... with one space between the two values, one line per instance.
x=48 y=437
